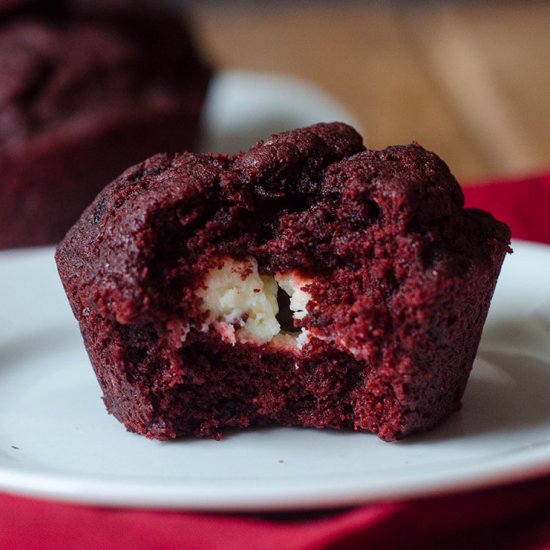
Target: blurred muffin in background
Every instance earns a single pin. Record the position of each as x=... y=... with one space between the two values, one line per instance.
x=87 y=89
x=17 y=7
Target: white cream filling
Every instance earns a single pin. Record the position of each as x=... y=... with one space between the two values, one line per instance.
x=242 y=305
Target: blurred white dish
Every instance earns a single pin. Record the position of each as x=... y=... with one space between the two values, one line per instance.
x=245 y=106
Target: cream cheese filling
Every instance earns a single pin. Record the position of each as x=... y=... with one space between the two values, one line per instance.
x=242 y=305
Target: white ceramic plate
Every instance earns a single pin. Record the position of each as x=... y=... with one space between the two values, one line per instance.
x=57 y=441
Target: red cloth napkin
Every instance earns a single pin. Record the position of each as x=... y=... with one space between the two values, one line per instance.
x=514 y=516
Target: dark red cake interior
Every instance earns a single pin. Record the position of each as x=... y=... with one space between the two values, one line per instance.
x=399 y=277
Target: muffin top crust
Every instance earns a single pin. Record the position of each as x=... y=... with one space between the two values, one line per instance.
x=311 y=201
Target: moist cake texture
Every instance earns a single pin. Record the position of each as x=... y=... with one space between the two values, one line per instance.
x=306 y=282
x=87 y=88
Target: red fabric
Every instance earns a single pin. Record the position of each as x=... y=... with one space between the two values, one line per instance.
x=522 y=203
x=514 y=516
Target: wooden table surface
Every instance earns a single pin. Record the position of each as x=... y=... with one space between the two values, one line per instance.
x=469 y=80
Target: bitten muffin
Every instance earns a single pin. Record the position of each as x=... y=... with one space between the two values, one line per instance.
x=86 y=89
x=307 y=282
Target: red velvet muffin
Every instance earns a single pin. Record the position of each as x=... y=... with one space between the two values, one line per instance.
x=307 y=282
x=86 y=89
x=10 y=8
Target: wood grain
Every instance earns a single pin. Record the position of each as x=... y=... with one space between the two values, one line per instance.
x=467 y=80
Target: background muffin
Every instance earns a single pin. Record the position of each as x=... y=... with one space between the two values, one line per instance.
x=86 y=89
